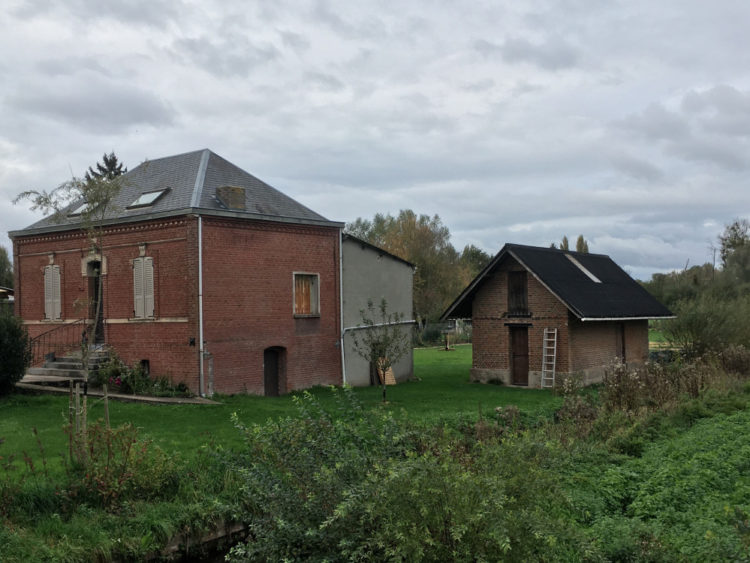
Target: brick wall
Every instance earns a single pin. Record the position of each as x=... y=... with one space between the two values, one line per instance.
x=248 y=303
x=164 y=342
x=491 y=326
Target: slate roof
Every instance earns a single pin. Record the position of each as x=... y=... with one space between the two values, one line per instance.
x=615 y=296
x=192 y=179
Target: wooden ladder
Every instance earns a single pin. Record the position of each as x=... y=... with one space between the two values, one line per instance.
x=549 y=354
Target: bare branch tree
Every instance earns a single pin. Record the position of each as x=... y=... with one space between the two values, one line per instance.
x=381 y=339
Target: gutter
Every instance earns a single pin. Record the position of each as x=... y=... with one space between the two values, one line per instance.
x=341 y=306
x=590 y=319
x=201 y=347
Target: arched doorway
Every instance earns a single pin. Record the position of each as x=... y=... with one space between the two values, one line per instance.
x=274 y=380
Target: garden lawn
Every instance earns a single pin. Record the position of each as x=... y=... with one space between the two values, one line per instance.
x=441 y=392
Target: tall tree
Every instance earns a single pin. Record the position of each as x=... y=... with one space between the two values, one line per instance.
x=108 y=169
x=6 y=269
x=736 y=236
x=564 y=243
x=425 y=242
x=582 y=245
x=474 y=260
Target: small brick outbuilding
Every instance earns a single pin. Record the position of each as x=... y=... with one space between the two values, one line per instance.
x=209 y=275
x=539 y=313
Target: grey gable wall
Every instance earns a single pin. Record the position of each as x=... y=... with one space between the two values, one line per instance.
x=372 y=274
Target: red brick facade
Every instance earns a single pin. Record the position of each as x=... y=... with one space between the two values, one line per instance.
x=582 y=347
x=247 y=297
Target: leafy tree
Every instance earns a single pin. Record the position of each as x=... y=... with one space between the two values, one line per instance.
x=474 y=260
x=6 y=269
x=382 y=341
x=109 y=170
x=564 y=243
x=15 y=353
x=425 y=242
x=582 y=245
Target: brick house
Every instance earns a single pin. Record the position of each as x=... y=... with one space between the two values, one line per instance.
x=538 y=313
x=209 y=276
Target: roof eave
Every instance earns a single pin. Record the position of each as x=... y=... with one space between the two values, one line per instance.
x=176 y=213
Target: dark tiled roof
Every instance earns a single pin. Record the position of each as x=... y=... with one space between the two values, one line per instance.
x=192 y=179
x=613 y=294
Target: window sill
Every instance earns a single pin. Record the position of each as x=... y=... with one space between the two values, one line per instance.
x=518 y=315
x=142 y=320
x=308 y=316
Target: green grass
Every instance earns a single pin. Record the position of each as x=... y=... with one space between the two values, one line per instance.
x=441 y=392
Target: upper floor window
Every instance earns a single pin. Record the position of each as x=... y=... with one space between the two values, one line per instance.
x=518 y=302
x=143 y=287
x=306 y=294
x=52 y=300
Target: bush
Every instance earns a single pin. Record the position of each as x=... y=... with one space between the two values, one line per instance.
x=15 y=352
x=121 y=378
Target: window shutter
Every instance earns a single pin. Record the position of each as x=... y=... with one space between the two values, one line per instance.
x=148 y=287
x=56 y=297
x=52 y=300
x=138 y=300
x=302 y=294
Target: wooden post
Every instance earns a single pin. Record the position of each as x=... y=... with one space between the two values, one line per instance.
x=70 y=420
x=106 y=406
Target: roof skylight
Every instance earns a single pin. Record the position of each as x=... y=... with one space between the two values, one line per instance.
x=583 y=269
x=148 y=198
x=80 y=209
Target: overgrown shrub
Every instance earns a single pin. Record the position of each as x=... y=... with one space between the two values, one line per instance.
x=122 y=378
x=118 y=466
x=15 y=352
x=362 y=485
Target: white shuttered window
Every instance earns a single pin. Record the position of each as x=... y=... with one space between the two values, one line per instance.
x=52 y=301
x=143 y=287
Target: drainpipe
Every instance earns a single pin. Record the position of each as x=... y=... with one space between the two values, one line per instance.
x=201 y=349
x=341 y=305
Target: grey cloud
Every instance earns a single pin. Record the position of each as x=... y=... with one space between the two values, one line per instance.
x=637 y=168
x=102 y=108
x=294 y=41
x=154 y=13
x=553 y=54
x=722 y=109
x=324 y=81
x=228 y=56
x=66 y=66
x=658 y=123
x=713 y=150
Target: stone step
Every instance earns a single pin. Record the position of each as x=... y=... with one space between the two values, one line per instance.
x=69 y=373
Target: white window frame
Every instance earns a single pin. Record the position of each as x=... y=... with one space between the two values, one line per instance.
x=143 y=287
x=314 y=294
x=52 y=293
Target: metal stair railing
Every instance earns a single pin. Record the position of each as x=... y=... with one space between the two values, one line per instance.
x=60 y=339
x=549 y=356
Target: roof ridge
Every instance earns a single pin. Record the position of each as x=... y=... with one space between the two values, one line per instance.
x=200 y=179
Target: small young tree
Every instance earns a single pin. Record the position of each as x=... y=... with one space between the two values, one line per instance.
x=96 y=197
x=381 y=339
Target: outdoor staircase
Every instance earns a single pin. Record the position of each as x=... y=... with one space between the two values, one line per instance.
x=60 y=371
x=549 y=356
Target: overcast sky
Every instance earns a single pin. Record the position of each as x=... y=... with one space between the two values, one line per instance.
x=627 y=121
